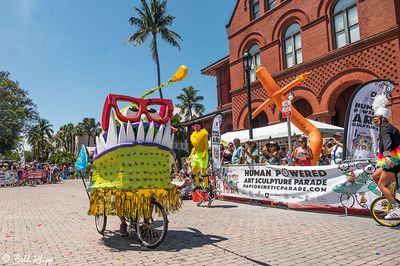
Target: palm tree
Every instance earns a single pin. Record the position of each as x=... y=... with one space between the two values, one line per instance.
x=177 y=123
x=77 y=131
x=38 y=137
x=189 y=103
x=34 y=141
x=90 y=127
x=70 y=130
x=66 y=137
x=153 y=20
x=61 y=139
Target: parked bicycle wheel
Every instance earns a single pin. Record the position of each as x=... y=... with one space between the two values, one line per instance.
x=379 y=208
x=101 y=223
x=347 y=200
x=151 y=232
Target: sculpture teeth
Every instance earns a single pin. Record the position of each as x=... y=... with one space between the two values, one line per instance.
x=130 y=135
x=99 y=145
x=172 y=140
x=112 y=131
x=166 y=140
x=150 y=133
x=122 y=134
x=102 y=141
x=164 y=136
x=159 y=135
x=140 y=132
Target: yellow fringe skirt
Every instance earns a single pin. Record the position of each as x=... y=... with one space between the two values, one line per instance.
x=133 y=203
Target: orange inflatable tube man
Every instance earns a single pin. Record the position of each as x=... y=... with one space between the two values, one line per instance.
x=276 y=95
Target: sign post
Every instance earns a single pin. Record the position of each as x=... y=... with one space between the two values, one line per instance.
x=287 y=113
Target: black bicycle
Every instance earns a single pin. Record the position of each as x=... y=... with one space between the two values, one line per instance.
x=151 y=232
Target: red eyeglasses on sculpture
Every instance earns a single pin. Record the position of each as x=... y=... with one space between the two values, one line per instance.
x=140 y=107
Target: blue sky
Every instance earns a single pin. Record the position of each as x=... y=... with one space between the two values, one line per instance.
x=69 y=54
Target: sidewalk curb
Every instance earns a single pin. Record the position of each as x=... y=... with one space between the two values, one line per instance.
x=302 y=207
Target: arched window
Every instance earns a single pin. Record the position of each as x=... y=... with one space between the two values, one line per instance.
x=270 y=4
x=255 y=9
x=292 y=45
x=255 y=61
x=345 y=24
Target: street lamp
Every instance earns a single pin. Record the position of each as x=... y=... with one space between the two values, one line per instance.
x=247 y=69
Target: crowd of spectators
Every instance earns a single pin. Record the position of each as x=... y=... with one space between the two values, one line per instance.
x=53 y=172
x=271 y=153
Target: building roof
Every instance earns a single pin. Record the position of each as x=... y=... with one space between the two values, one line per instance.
x=279 y=131
x=210 y=70
x=208 y=116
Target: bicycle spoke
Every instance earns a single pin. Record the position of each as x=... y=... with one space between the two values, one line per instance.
x=150 y=234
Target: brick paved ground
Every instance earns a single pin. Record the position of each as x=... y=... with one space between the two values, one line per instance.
x=51 y=220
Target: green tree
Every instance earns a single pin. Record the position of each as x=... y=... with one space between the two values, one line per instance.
x=65 y=137
x=153 y=21
x=90 y=127
x=61 y=139
x=189 y=103
x=18 y=112
x=177 y=123
x=62 y=157
x=39 y=137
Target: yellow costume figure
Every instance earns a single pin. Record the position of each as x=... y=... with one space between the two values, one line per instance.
x=199 y=154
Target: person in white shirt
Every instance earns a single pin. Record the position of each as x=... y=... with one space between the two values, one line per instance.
x=336 y=151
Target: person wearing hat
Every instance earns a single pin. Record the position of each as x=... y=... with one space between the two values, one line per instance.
x=388 y=159
x=336 y=151
x=275 y=155
x=250 y=153
x=265 y=154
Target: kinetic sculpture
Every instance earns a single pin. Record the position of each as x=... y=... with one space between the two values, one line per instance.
x=132 y=163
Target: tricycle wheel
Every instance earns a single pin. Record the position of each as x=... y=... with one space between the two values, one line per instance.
x=101 y=223
x=151 y=232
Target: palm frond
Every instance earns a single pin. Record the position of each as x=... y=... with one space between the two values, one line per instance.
x=166 y=21
x=139 y=37
x=198 y=98
x=171 y=37
x=135 y=21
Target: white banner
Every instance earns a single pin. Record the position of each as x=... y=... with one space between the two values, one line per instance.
x=21 y=153
x=360 y=134
x=215 y=141
x=8 y=177
x=347 y=185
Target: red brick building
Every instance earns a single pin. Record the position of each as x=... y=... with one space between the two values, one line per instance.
x=343 y=43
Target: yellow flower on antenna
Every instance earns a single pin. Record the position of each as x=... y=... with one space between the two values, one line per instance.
x=180 y=74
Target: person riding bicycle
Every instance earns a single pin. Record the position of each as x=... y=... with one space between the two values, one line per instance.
x=199 y=155
x=388 y=159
